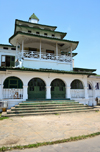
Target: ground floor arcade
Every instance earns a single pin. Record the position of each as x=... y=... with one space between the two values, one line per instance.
x=20 y=86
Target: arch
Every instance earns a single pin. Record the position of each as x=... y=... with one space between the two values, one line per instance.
x=58 y=89
x=36 y=89
x=13 y=82
x=77 y=84
x=90 y=87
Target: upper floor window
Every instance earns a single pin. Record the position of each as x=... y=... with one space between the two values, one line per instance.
x=45 y=34
x=13 y=49
x=7 y=61
x=37 y=32
x=29 y=31
x=53 y=35
x=6 y=48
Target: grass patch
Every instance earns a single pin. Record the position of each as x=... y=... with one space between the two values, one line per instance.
x=57 y=114
x=50 y=143
x=1 y=118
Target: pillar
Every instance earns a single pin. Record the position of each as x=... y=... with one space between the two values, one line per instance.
x=86 y=92
x=25 y=92
x=48 y=92
x=40 y=49
x=22 y=47
x=16 y=51
x=68 y=95
x=71 y=57
x=56 y=51
x=1 y=91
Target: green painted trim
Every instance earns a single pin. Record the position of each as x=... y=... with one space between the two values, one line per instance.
x=36 y=24
x=84 y=69
x=42 y=37
x=7 y=45
x=63 y=34
x=46 y=70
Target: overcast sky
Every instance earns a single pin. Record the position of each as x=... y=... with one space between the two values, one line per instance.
x=79 y=18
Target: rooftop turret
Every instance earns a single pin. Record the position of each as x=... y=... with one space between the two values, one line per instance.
x=33 y=18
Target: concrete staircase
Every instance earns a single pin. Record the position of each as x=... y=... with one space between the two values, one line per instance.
x=47 y=107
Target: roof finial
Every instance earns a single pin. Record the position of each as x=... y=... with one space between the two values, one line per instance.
x=33 y=18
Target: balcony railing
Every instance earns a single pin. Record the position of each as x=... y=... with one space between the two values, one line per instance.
x=45 y=56
x=12 y=93
x=77 y=93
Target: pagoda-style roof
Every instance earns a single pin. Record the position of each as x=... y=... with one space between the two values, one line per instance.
x=33 y=16
x=64 y=44
x=25 y=23
x=44 y=30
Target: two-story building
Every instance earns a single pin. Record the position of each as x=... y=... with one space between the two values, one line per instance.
x=39 y=64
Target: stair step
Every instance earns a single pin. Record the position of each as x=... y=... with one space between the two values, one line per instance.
x=47 y=110
x=45 y=107
x=45 y=113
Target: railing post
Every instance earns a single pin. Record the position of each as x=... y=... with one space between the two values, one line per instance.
x=22 y=47
x=40 y=49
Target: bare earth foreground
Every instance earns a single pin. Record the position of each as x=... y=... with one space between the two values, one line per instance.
x=32 y=129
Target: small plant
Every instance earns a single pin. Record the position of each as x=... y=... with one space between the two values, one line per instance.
x=1 y=118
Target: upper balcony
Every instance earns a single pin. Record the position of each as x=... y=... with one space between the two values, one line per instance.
x=43 y=52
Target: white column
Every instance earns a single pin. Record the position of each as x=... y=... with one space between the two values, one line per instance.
x=94 y=90
x=22 y=47
x=25 y=92
x=48 y=92
x=40 y=49
x=16 y=51
x=71 y=57
x=86 y=91
x=56 y=51
x=68 y=95
x=1 y=91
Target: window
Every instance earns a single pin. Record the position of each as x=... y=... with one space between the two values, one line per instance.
x=6 y=48
x=45 y=34
x=13 y=82
x=7 y=61
x=13 y=49
x=53 y=35
x=76 y=84
x=29 y=31
x=37 y=32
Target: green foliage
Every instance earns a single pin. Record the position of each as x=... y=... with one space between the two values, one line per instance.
x=50 y=143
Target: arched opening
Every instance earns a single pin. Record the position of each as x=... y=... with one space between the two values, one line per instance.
x=76 y=84
x=12 y=83
x=77 y=89
x=90 y=90
x=36 y=89
x=13 y=88
x=58 y=89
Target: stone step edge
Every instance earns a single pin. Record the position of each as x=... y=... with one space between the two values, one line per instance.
x=52 y=107
x=48 y=110
x=46 y=104
x=45 y=113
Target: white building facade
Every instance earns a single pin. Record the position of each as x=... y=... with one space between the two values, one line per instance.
x=39 y=65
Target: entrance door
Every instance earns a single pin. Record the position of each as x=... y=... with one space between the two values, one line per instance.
x=58 y=89
x=36 y=89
